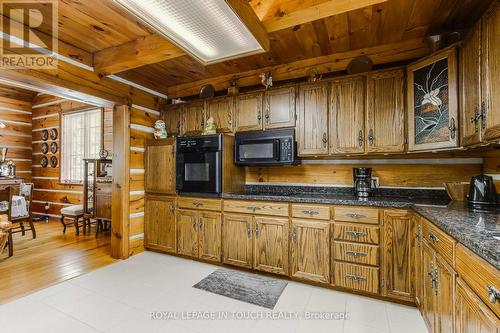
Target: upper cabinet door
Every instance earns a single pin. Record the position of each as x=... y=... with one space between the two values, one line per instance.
x=385 y=113
x=280 y=108
x=221 y=109
x=171 y=115
x=432 y=102
x=491 y=70
x=160 y=167
x=193 y=117
x=248 y=112
x=312 y=125
x=470 y=88
x=347 y=116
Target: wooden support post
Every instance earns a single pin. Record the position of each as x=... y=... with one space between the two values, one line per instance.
x=121 y=173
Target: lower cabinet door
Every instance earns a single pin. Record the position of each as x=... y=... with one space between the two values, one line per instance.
x=187 y=232
x=209 y=236
x=428 y=292
x=472 y=315
x=271 y=245
x=445 y=305
x=310 y=250
x=159 y=223
x=417 y=258
x=237 y=240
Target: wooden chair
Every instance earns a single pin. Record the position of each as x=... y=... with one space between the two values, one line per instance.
x=26 y=191
x=5 y=234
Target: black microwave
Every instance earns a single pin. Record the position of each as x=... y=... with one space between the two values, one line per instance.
x=273 y=147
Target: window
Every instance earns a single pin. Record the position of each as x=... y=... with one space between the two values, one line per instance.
x=81 y=138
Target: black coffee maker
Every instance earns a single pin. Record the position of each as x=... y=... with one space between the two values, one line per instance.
x=362 y=181
x=482 y=191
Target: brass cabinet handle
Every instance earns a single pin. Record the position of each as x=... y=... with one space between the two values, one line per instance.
x=294 y=234
x=256 y=231
x=201 y=223
x=356 y=233
x=325 y=139
x=259 y=117
x=249 y=230
x=483 y=115
x=310 y=212
x=356 y=254
x=356 y=215
x=197 y=203
x=354 y=277
x=361 y=138
x=371 y=137
x=253 y=208
x=493 y=294
x=194 y=223
x=172 y=208
x=433 y=237
x=452 y=128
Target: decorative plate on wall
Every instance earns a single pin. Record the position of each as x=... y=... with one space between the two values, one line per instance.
x=53 y=134
x=45 y=135
x=53 y=147
x=53 y=161
x=44 y=161
x=45 y=148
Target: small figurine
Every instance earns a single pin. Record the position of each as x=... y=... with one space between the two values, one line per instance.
x=210 y=127
x=266 y=79
x=160 y=130
x=233 y=88
x=313 y=76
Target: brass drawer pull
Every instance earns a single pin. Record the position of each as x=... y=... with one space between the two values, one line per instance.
x=310 y=212
x=356 y=215
x=433 y=237
x=253 y=208
x=197 y=203
x=493 y=294
x=356 y=278
x=356 y=254
x=356 y=233
x=249 y=231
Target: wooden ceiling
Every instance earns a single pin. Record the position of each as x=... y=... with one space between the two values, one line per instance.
x=112 y=41
x=17 y=93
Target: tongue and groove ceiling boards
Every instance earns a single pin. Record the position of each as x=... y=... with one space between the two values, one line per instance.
x=324 y=34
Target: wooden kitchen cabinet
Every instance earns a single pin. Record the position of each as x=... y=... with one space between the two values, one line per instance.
x=385 y=112
x=428 y=306
x=171 y=115
x=310 y=250
x=237 y=235
x=445 y=296
x=193 y=117
x=187 y=232
x=209 y=236
x=221 y=110
x=159 y=223
x=347 y=116
x=312 y=123
x=160 y=166
x=398 y=248
x=417 y=259
x=248 y=112
x=271 y=245
x=471 y=315
x=279 y=108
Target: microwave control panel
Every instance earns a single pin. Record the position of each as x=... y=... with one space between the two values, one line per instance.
x=286 y=153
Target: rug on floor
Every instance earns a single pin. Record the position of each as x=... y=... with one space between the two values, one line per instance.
x=251 y=288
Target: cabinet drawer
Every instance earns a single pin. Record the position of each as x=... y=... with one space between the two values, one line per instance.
x=256 y=207
x=199 y=203
x=356 y=277
x=356 y=253
x=356 y=214
x=311 y=212
x=356 y=233
x=479 y=275
x=439 y=241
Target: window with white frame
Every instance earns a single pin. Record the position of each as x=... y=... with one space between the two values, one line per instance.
x=81 y=138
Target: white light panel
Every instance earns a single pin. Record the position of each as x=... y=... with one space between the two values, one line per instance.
x=207 y=29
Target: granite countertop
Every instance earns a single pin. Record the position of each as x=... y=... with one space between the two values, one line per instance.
x=478 y=231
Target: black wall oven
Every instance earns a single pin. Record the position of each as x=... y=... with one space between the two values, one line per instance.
x=272 y=147
x=199 y=165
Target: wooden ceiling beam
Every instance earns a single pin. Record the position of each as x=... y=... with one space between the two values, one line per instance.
x=142 y=51
x=247 y=15
x=292 y=13
x=380 y=54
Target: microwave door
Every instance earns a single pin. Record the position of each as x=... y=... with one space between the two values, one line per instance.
x=255 y=151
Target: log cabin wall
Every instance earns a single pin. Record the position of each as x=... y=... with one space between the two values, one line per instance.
x=141 y=128
x=48 y=189
x=16 y=136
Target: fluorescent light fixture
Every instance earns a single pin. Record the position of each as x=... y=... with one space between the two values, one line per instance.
x=2 y=125
x=209 y=30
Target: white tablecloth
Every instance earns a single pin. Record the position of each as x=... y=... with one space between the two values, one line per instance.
x=19 y=206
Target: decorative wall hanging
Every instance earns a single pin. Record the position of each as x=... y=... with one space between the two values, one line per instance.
x=44 y=161
x=432 y=102
x=53 y=147
x=53 y=134
x=44 y=148
x=45 y=135
x=53 y=161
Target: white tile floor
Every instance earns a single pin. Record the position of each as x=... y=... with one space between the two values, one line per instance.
x=121 y=297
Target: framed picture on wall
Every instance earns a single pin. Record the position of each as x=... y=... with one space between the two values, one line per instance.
x=433 y=102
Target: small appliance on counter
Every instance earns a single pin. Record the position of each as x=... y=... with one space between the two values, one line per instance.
x=7 y=168
x=482 y=192
x=272 y=147
x=363 y=182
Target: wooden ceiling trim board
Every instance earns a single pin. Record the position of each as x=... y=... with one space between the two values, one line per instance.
x=142 y=51
x=289 y=17
x=248 y=17
x=138 y=86
x=379 y=54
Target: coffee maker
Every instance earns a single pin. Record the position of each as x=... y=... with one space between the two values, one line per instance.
x=7 y=168
x=363 y=182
